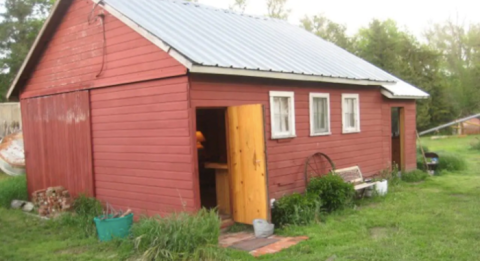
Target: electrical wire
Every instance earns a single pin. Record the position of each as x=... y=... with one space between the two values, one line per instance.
x=92 y=20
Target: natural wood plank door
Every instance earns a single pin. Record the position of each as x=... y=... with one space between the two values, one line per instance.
x=246 y=149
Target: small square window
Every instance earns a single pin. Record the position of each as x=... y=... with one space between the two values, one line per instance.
x=351 y=113
x=319 y=114
x=282 y=110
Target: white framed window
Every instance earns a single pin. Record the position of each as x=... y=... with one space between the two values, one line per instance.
x=319 y=114
x=282 y=114
x=351 y=113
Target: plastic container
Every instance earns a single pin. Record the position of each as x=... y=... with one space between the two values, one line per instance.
x=382 y=187
x=110 y=228
x=262 y=228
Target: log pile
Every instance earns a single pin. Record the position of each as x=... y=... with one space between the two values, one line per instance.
x=52 y=202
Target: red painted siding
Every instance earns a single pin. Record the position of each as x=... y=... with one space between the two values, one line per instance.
x=142 y=146
x=286 y=158
x=75 y=54
x=57 y=139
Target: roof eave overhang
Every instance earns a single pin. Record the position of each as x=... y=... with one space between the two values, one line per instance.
x=201 y=69
x=392 y=96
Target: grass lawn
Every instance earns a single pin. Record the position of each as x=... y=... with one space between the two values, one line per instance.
x=3 y=176
x=434 y=220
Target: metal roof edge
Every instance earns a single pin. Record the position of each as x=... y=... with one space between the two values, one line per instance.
x=387 y=93
x=280 y=75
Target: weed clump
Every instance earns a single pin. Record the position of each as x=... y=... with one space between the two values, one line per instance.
x=475 y=145
x=296 y=209
x=451 y=162
x=414 y=176
x=84 y=210
x=13 y=188
x=178 y=236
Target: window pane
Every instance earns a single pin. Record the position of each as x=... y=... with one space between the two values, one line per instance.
x=281 y=112
x=350 y=112
x=320 y=119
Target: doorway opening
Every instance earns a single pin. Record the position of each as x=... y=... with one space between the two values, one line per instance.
x=232 y=162
x=213 y=171
x=398 y=137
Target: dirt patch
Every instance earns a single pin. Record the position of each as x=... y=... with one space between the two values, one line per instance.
x=379 y=232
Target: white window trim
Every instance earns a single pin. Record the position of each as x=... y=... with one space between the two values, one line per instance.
x=351 y=130
x=292 y=133
x=312 y=115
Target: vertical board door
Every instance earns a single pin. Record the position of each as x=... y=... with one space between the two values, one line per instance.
x=58 y=143
x=246 y=151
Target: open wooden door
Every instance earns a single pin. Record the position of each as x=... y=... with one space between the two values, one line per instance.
x=247 y=166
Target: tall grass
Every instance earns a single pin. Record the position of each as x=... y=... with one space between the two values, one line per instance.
x=296 y=209
x=475 y=145
x=13 y=188
x=84 y=210
x=178 y=236
x=414 y=176
x=451 y=162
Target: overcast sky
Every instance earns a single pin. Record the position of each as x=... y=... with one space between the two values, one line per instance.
x=416 y=15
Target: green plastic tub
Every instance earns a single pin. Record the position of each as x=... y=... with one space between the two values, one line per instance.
x=110 y=228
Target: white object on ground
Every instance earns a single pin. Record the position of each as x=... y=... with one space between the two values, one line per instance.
x=28 y=207
x=262 y=228
x=382 y=187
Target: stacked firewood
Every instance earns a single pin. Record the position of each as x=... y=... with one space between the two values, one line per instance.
x=52 y=202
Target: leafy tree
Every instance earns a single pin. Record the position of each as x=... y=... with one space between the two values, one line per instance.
x=328 y=30
x=277 y=9
x=21 y=21
x=398 y=52
x=239 y=6
x=460 y=49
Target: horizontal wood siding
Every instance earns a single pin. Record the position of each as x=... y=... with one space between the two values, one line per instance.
x=58 y=146
x=286 y=158
x=75 y=55
x=142 y=146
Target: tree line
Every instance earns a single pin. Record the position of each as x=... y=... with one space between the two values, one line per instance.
x=445 y=62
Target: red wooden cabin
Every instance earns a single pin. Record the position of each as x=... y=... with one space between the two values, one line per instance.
x=162 y=105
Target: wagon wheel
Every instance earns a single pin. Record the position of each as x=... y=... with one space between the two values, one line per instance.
x=318 y=165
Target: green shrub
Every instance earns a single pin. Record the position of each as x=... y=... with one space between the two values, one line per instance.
x=451 y=162
x=13 y=188
x=84 y=210
x=414 y=176
x=296 y=209
x=333 y=191
x=177 y=236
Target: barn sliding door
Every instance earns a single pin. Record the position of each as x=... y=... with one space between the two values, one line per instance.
x=246 y=147
x=58 y=144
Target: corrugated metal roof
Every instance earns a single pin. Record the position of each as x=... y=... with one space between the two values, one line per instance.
x=221 y=38
x=403 y=90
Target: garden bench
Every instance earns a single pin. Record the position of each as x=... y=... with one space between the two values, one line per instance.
x=354 y=175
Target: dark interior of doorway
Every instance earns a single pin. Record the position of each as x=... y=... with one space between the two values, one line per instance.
x=212 y=148
x=397 y=131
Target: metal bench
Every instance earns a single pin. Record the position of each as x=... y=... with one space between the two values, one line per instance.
x=354 y=175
